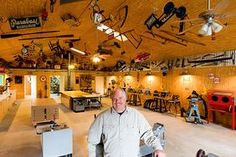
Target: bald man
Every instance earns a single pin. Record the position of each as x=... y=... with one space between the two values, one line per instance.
x=120 y=129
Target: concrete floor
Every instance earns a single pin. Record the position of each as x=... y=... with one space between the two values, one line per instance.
x=19 y=139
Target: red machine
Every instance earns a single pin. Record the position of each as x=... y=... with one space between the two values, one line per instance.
x=223 y=101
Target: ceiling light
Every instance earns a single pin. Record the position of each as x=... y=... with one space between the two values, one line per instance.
x=71 y=67
x=184 y=73
x=76 y=50
x=127 y=74
x=96 y=59
x=149 y=74
x=216 y=27
x=208 y=28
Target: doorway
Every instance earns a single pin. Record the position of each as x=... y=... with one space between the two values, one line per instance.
x=99 y=86
x=55 y=86
x=30 y=86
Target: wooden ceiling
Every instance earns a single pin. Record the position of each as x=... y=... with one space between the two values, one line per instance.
x=138 y=12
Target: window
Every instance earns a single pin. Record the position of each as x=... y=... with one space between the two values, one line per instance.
x=1 y=79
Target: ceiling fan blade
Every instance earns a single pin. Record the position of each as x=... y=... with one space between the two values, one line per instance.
x=217 y=21
x=221 y=6
x=56 y=36
x=189 y=20
x=226 y=15
x=177 y=28
x=188 y=29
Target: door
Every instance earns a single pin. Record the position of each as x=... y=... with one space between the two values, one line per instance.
x=30 y=86
x=99 y=85
x=54 y=86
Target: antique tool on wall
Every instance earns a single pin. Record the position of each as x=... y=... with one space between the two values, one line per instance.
x=164 y=38
x=211 y=59
x=142 y=57
x=169 y=11
x=13 y=35
x=183 y=38
x=47 y=37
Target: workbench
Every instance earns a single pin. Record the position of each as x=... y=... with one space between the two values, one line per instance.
x=44 y=110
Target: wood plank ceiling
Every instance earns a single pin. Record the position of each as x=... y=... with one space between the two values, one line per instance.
x=138 y=12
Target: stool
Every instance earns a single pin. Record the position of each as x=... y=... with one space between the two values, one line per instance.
x=174 y=102
x=134 y=99
x=154 y=104
x=147 y=103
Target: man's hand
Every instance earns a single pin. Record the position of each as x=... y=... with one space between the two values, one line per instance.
x=159 y=153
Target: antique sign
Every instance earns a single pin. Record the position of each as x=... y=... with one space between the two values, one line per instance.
x=25 y=22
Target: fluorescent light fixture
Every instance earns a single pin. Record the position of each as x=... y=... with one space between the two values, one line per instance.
x=76 y=50
x=110 y=31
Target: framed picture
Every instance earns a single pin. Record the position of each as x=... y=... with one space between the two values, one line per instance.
x=18 y=79
x=216 y=80
x=77 y=80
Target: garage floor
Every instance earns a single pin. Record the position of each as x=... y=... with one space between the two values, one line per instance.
x=19 y=139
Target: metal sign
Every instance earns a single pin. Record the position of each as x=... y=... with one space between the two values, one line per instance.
x=22 y=23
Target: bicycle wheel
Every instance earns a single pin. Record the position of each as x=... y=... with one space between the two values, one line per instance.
x=119 y=18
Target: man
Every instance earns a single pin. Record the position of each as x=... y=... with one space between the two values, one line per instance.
x=120 y=129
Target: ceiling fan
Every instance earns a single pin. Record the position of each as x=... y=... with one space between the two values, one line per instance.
x=209 y=24
x=102 y=52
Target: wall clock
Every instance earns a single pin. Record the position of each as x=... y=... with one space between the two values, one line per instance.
x=43 y=78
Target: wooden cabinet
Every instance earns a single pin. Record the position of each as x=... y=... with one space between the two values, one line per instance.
x=43 y=110
x=6 y=101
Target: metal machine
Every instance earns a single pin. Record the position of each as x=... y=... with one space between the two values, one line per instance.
x=192 y=114
x=201 y=153
x=78 y=104
x=158 y=130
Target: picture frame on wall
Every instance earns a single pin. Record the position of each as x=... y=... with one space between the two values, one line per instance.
x=18 y=79
x=77 y=80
